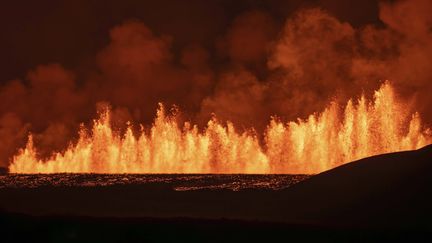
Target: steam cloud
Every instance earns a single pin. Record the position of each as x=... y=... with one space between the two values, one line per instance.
x=257 y=69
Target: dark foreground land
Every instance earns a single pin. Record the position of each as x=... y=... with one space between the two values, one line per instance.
x=381 y=198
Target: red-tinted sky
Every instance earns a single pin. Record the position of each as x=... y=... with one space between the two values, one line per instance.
x=243 y=60
x=71 y=32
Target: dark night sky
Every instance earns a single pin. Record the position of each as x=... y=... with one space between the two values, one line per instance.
x=244 y=61
x=71 y=32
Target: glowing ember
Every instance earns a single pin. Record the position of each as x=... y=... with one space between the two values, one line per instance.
x=318 y=143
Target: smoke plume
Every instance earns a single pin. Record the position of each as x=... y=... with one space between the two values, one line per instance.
x=257 y=67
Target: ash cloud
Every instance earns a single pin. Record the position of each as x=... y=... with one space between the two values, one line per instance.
x=257 y=66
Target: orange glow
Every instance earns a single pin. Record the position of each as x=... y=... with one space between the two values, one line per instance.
x=336 y=136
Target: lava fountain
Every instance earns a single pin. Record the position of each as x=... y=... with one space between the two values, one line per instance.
x=337 y=135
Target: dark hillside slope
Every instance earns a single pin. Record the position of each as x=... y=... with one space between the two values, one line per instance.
x=389 y=190
x=385 y=190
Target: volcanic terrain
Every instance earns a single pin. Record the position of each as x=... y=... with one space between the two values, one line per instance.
x=383 y=197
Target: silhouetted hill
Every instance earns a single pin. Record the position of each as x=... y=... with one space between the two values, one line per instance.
x=385 y=190
x=386 y=195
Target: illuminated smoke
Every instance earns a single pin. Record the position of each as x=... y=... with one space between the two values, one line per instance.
x=319 y=143
x=258 y=68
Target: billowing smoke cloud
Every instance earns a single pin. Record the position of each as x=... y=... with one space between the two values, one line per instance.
x=257 y=68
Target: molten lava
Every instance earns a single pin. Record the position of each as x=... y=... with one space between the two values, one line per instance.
x=321 y=142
